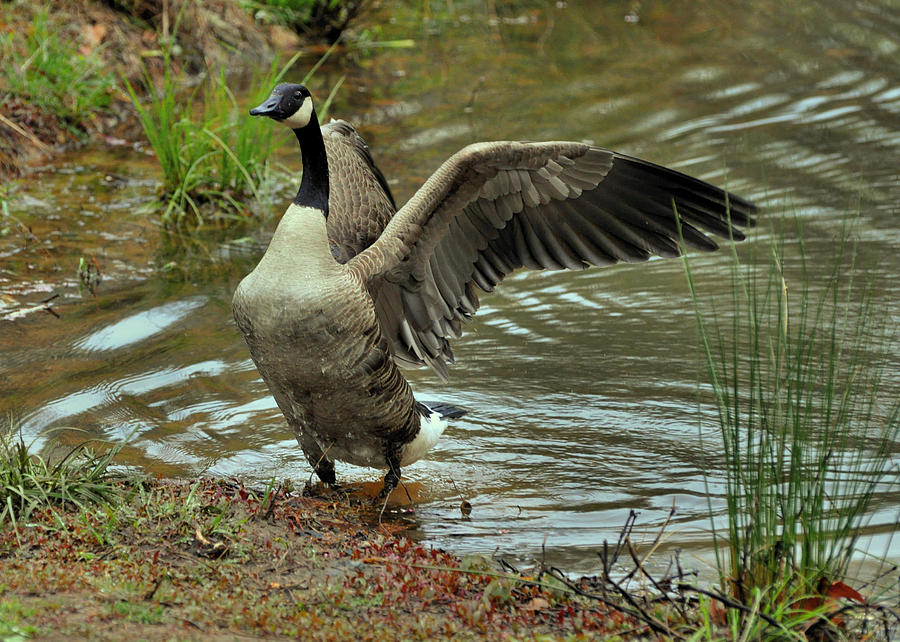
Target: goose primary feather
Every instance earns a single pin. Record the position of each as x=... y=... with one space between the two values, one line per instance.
x=351 y=286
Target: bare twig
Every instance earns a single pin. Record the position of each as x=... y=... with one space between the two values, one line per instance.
x=734 y=605
x=636 y=610
x=24 y=132
x=639 y=565
x=653 y=546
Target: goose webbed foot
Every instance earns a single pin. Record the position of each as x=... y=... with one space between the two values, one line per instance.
x=324 y=470
x=391 y=480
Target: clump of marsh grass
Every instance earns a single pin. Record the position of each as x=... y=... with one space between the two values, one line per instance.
x=796 y=361
x=208 y=156
x=29 y=482
x=213 y=156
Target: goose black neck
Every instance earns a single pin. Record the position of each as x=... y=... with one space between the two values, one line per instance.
x=313 y=190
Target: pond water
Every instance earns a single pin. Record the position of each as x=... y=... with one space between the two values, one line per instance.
x=581 y=388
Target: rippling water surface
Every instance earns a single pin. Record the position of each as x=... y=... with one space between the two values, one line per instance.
x=582 y=388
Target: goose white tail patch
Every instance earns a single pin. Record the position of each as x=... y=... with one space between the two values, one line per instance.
x=432 y=427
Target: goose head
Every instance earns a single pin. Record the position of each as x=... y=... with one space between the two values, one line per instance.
x=289 y=104
x=292 y=105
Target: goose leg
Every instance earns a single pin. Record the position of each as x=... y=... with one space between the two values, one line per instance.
x=390 y=482
x=392 y=478
x=323 y=467
x=325 y=471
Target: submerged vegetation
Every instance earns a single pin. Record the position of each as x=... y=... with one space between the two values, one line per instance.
x=325 y=19
x=807 y=437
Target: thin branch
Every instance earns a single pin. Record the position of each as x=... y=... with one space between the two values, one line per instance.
x=24 y=132
x=734 y=605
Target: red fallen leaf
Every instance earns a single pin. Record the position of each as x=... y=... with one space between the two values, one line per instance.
x=839 y=590
x=834 y=591
x=717 y=612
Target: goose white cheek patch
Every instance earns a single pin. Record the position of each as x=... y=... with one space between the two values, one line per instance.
x=300 y=118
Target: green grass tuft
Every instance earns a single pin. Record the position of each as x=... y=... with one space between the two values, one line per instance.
x=51 y=73
x=13 y=618
x=795 y=361
x=28 y=482
x=213 y=156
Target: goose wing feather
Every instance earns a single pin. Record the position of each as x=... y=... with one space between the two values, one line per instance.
x=360 y=207
x=361 y=202
x=495 y=207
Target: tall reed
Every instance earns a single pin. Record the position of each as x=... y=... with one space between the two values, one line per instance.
x=796 y=359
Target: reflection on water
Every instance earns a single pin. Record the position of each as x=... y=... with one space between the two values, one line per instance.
x=140 y=325
x=582 y=388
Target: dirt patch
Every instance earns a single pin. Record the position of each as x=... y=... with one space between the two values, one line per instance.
x=210 y=559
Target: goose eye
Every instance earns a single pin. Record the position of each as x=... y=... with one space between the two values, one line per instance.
x=298 y=95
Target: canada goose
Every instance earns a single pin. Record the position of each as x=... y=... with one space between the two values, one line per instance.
x=350 y=286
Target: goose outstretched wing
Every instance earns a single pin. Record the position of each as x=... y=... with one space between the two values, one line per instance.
x=495 y=207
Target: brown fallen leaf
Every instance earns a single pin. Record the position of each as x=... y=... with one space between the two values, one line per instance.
x=93 y=35
x=536 y=604
x=200 y=537
x=717 y=612
x=209 y=548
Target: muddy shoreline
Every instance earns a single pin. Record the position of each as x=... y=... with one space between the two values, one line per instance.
x=214 y=559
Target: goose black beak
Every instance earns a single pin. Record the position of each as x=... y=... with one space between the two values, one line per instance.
x=271 y=108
